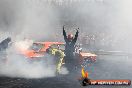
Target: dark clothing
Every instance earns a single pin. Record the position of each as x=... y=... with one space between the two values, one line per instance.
x=70 y=45
x=86 y=81
x=4 y=43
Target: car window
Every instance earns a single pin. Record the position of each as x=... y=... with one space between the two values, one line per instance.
x=58 y=46
x=54 y=46
x=62 y=47
x=36 y=47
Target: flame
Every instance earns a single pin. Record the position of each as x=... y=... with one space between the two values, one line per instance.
x=84 y=74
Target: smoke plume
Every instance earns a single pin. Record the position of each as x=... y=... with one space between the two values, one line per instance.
x=42 y=20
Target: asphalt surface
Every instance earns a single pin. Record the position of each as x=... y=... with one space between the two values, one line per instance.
x=106 y=67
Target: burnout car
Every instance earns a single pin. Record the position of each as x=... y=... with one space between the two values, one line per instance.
x=38 y=49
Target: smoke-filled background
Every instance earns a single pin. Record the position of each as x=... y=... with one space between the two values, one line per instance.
x=103 y=25
x=43 y=19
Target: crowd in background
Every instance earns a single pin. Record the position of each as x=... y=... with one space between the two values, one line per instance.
x=98 y=41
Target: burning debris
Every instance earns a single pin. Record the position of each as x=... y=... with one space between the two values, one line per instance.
x=84 y=80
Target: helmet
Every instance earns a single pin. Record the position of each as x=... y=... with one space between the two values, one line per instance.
x=70 y=36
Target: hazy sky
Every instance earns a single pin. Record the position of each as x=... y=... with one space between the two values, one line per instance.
x=40 y=19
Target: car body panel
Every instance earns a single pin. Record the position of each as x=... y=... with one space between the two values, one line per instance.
x=34 y=53
x=31 y=53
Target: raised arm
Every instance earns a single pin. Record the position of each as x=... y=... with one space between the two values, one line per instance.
x=76 y=36
x=64 y=34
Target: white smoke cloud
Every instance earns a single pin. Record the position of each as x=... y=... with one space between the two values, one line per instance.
x=23 y=45
x=39 y=20
x=35 y=20
x=16 y=64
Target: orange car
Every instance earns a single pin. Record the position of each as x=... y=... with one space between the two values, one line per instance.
x=90 y=57
x=38 y=49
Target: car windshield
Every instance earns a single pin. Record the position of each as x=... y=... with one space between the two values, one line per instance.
x=62 y=47
x=36 y=47
x=58 y=46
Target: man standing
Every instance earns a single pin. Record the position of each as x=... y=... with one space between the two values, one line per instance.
x=70 y=43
